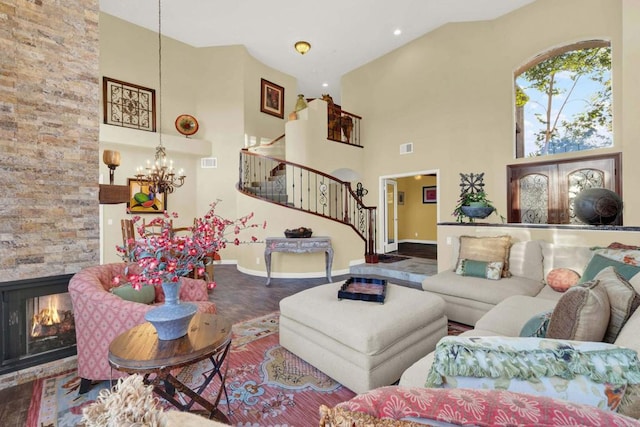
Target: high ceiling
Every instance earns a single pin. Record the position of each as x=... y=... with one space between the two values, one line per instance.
x=344 y=34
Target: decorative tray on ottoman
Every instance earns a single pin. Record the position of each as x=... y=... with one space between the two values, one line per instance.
x=364 y=289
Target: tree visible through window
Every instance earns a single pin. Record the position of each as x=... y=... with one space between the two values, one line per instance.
x=563 y=100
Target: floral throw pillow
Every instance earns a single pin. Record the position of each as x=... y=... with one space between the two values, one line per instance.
x=591 y=373
x=403 y=406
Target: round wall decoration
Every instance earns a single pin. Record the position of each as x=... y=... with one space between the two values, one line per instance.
x=186 y=124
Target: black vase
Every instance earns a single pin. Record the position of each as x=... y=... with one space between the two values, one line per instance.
x=597 y=206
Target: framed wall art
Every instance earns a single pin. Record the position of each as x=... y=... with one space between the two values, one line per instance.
x=429 y=194
x=143 y=200
x=128 y=105
x=271 y=98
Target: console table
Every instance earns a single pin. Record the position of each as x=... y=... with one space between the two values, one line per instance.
x=301 y=245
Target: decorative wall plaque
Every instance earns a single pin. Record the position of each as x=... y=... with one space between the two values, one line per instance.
x=128 y=105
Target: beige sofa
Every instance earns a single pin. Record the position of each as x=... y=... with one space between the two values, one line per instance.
x=505 y=314
x=469 y=298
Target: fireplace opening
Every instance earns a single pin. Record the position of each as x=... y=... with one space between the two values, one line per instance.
x=37 y=322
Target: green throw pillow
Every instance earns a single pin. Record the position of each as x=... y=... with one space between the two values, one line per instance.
x=537 y=325
x=146 y=294
x=599 y=263
x=485 y=269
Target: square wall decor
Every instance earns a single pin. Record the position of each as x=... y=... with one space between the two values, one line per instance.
x=128 y=105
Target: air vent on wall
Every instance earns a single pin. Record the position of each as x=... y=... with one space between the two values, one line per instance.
x=209 y=162
x=406 y=148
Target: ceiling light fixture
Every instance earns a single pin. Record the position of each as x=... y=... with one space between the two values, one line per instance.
x=160 y=176
x=302 y=47
x=397 y=32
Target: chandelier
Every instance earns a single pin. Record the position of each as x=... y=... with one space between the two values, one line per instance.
x=160 y=176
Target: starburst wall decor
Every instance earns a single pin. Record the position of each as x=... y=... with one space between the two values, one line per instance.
x=471 y=183
x=128 y=105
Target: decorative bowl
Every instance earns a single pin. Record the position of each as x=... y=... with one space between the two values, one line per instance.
x=298 y=232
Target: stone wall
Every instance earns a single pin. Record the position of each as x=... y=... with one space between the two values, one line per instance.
x=49 y=127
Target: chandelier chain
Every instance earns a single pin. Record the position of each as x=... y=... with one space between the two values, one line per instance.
x=160 y=176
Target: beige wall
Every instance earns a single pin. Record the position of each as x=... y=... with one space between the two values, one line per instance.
x=417 y=221
x=450 y=93
x=219 y=86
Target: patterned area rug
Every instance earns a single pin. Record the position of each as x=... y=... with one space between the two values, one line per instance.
x=266 y=385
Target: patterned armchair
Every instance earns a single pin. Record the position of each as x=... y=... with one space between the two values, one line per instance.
x=100 y=316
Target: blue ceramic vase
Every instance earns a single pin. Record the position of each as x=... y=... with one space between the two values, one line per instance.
x=171 y=319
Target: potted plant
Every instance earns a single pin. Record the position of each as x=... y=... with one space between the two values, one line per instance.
x=473 y=204
x=162 y=260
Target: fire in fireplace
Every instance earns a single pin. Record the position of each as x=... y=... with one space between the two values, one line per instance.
x=37 y=322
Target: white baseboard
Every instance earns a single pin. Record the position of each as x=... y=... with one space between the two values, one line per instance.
x=424 y=242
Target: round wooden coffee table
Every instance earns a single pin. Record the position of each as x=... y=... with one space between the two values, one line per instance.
x=139 y=351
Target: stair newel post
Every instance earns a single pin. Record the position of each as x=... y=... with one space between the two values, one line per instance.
x=371 y=256
x=346 y=201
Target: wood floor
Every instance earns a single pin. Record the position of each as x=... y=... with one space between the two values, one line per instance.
x=417 y=250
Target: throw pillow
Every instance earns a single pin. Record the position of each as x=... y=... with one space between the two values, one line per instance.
x=592 y=373
x=146 y=294
x=485 y=269
x=623 y=301
x=486 y=249
x=537 y=326
x=617 y=245
x=561 y=279
x=397 y=406
x=599 y=262
x=582 y=314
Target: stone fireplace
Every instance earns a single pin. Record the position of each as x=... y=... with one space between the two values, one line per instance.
x=49 y=154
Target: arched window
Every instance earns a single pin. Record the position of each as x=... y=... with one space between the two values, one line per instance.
x=563 y=100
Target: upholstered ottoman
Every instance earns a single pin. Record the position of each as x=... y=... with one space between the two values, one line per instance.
x=361 y=344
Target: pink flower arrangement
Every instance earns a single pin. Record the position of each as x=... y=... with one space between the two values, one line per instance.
x=167 y=257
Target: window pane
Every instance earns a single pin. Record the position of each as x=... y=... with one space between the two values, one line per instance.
x=563 y=102
x=534 y=199
x=580 y=180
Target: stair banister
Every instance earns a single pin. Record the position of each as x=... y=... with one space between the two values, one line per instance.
x=299 y=187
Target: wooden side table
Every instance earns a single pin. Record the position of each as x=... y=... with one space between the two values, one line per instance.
x=300 y=245
x=139 y=351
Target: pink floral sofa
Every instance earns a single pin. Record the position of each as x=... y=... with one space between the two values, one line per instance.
x=100 y=316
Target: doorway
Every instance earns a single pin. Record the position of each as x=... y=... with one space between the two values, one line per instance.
x=390 y=216
x=409 y=210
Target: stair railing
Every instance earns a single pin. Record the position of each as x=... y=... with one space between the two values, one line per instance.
x=343 y=126
x=302 y=188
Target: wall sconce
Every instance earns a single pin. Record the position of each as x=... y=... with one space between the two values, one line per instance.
x=111 y=158
x=302 y=47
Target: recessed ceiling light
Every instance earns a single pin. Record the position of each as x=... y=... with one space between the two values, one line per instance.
x=325 y=84
x=397 y=32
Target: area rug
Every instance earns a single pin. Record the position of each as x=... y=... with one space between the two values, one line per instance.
x=384 y=258
x=266 y=385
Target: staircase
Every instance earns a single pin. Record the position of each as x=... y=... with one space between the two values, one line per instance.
x=305 y=189
x=273 y=188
